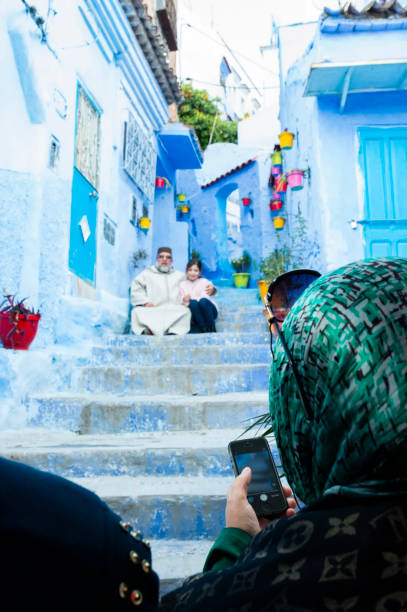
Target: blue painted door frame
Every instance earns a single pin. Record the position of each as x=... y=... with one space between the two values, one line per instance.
x=383 y=159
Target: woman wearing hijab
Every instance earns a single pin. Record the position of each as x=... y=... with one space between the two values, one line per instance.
x=346 y=460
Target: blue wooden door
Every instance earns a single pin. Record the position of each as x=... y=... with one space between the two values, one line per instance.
x=82 y=245
x=383 y=157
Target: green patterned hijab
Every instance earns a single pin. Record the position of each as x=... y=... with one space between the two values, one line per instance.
x=348 y=337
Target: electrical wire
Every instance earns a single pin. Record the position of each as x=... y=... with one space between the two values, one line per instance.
x=230 y=86
x=226 y=46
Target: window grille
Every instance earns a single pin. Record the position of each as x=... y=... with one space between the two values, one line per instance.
x=54 y=150
x=87 y=139
x=139 y=157
x=134 y=213
x=109 y=230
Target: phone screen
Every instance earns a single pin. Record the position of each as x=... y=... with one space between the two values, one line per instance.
x=263 y=474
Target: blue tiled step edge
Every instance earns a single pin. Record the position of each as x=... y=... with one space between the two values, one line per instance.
x=207 y=379
x=180 y=355
x=104 y=414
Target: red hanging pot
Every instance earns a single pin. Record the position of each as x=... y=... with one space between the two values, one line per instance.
x=17 y=331
x=159 y=182
x=276 y=204
x=246 y=201
x=281 y=184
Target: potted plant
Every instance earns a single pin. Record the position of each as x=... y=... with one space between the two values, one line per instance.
x=18 y=324
x=246 y=201
x=181 y=197
x=241 y=266
x=144 y=223
x=286 y=139
x=276 y=157
x=295 y=179
x=161 y=182
x=279 y=222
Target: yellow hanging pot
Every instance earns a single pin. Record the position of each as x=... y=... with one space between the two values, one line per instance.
x=286 y=139
x=185 y=209
x=145 y=223
x=278 y=222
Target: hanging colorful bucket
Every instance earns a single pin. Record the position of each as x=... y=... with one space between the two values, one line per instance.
x=160 y=182
x=276 y=170
x=276 y=205
x=185 y=209
x=246 y=201
x=286 y=139
x=281 y=184
x=276 y=158
x=145 y=223
x=181 y=197
x=278 y=223
x=295 y=179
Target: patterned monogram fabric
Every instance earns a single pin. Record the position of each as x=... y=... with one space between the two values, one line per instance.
x=339 y=554
x=348 y=337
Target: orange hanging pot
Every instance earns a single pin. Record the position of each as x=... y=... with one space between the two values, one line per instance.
x=185 y=209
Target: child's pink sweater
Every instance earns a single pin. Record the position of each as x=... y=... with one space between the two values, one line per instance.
x=195 y=289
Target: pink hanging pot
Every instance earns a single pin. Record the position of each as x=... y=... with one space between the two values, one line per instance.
x=246 y=201
x=276 y=170
x=295 y=179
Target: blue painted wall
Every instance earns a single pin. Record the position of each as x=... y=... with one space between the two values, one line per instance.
x=207 y=225
x=327 y=142
x=92 y=43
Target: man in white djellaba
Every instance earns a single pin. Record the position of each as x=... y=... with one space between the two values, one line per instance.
x=154 y=295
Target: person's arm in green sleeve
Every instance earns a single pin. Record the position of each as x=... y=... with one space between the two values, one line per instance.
x=227 y=548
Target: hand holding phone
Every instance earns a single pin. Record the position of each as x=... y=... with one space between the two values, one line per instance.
x=265 y=493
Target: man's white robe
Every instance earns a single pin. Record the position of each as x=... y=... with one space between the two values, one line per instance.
x=160 y=288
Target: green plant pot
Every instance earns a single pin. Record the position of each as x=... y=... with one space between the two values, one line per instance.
x=241 y=279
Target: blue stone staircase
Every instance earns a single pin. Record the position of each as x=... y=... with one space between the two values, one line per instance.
x=145 y=422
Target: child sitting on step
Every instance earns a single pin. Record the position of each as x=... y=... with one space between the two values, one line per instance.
x=195 y=292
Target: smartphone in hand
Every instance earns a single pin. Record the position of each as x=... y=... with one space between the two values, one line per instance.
x=265 y=492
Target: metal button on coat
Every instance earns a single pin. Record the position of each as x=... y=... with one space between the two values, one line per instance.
x=136 y=598
x=125 y=526
x=123 y=589
x=134 y=558
x=145 y=565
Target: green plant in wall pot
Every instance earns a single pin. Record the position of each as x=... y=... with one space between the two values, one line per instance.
x=241 y=266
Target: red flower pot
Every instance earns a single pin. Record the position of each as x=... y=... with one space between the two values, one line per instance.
x=246 y=201
x=17 y=331
x=281 y=184
x=276 y=205
x=159 y=182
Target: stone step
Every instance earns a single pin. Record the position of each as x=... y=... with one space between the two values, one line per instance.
x=207 y=379
x=194 y=453
x=174 y=560
x=176 y=507
x=180 y=355
x=242 y=326
x=206 y=339
x=101 y=414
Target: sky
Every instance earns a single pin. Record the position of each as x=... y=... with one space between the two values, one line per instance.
x=244 y=27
